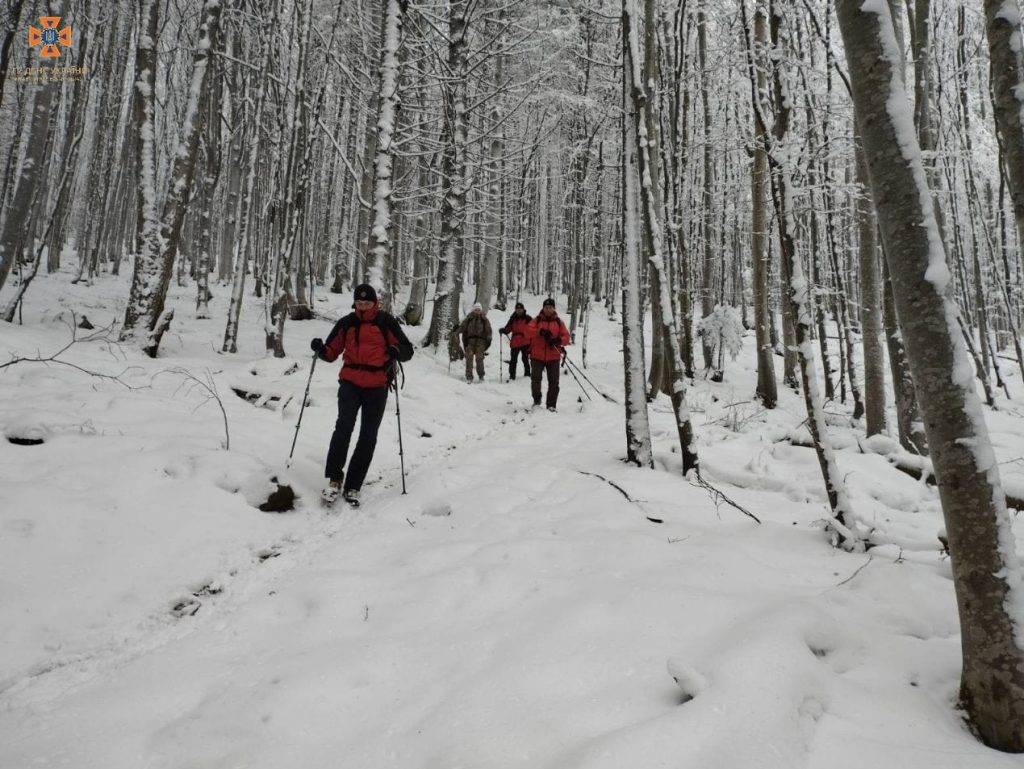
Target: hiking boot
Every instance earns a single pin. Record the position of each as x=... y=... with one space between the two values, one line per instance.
x=351 y=496
x=330 y=493
x=552 y=409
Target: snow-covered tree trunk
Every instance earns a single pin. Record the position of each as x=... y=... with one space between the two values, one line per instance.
x=153 y=276
x=146 y=274
x=638 y=430
x=908 y=413
x=767 y=388
x=16 y=235
x=986 y=571
x=871 y=305
x=378 y=253
x=707 y=297
x=448 y=290
x=13 y=31
x=489 y=264
x=1006 y=52
x=644 y=113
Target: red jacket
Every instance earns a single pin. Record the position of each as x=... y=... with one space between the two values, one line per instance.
x=364 y=339
x=516 y=329
x=550 y=348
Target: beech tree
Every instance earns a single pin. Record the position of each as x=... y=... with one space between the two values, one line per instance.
x=986 y=572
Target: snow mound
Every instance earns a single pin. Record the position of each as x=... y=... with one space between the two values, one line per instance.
x=438 y=509
x=689 y=680
x=27 y=430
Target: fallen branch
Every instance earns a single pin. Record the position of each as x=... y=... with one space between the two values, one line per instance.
x=624 y=493
x=718 y=497
x=613 y=484
x=55 y=357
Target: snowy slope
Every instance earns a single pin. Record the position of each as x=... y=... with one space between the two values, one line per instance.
x=513 y=610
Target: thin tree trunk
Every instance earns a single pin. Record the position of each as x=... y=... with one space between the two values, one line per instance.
x=871 y=304
x=767 y=388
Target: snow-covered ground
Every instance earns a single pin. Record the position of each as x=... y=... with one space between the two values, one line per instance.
x=513 y=610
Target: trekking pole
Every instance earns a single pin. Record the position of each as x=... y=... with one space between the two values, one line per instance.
x=398 y=415
x=578 y=382
x=305 y=398
x=501 y=356
x=572 y=365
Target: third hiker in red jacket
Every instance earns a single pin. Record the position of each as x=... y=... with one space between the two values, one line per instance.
x=547 y=336
x=515 y=329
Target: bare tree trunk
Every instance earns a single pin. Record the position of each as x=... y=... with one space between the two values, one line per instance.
x=485 y=283
x=986 y=573
x=767 y=388
x=1003 y=29
x=871 y=304
x=16 y=236
x=707 y=300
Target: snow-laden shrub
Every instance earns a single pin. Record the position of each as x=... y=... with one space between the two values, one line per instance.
x=722 y=331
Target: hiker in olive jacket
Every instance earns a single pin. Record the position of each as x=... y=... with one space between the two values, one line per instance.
x=475 y=331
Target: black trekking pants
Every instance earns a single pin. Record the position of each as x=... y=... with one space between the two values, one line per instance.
x=538 y=367
x=351 y=399
x=524 y=353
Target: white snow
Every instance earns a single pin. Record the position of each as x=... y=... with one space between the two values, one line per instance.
x=510 y=611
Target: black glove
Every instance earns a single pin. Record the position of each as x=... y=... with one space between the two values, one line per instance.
x=546 y=333
x=317 y=346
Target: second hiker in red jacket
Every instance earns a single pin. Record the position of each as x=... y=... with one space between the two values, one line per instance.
x=515 y=329
x=371 y=343
x=547 y=336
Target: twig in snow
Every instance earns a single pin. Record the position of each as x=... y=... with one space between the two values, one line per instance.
x=624 y=493
x=718 y=497
x=99 y=334
x=366 y=612
x=613 y=484
x=860 y=569
x=210 y=388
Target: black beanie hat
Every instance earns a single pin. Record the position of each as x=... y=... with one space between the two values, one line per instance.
x=549 y=302
x=364 y=292
x=520 y=306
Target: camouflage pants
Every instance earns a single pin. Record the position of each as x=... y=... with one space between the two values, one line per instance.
x=475 y=349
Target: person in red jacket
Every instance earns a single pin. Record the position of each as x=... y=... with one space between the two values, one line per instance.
x=515 y=330
x=371 y=343
x=547 y=336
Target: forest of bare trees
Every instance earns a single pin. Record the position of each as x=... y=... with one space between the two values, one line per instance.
x=846 y=180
